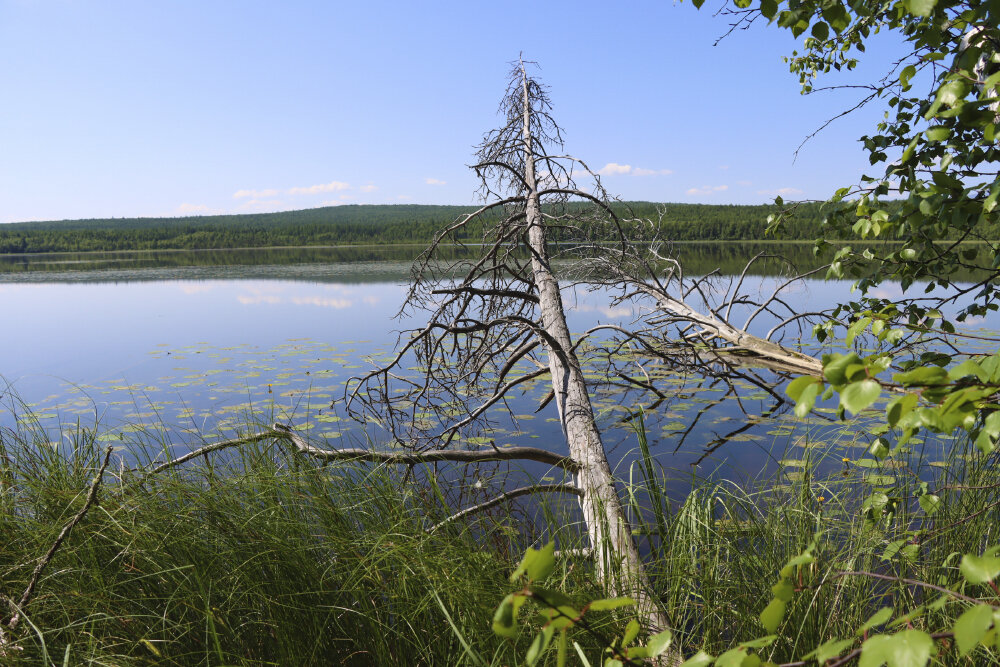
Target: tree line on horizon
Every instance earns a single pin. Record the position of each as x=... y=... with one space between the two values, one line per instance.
x=360 y=224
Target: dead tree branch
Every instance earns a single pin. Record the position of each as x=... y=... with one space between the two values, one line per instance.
x=18 y=608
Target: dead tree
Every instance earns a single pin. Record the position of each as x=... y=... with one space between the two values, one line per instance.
x=490 y=316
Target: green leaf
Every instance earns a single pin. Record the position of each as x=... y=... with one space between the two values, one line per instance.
x=909 y=648
x=900 y=407
x=610 y=603
x=924 y=375
x=971 y=627
x=879 y=448
x=760 y=642
x=731 y=658
x=699 y=659
x=539 y=645
x=772 y=615
x=798 y=385
x=631 y=632
x=807 y=400
x=505 y=617
x=768 y=8
x=878 y=618
x=979 y=569
x=821 y=31
x=659 y=643
x=920 y=7
x=835 y=367
x=550 y=597
x=856 y=328
x=938 y=133
x=783 y=590
x=832 y=649
x=948 y=94
x=988 y=433
x=836 y=15
x=537 y=563
x=968 y=367
x=929 y=503
x=859 y=395
x=904 y=77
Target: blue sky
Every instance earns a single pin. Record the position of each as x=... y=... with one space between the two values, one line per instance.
x=125 y=108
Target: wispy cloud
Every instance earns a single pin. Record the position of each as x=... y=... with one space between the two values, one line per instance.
x=785 y=192
x=435 y=181
x=404 y=197
x=332 y=186
x=254 y=194
x=368 y=188
x=707 y=190
x=615 y=169
x=259 y=204
x=331 y=202
x=744 y=183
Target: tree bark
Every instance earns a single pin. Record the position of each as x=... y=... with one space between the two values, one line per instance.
x=615 y=552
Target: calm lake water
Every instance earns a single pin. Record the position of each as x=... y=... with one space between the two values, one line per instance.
x=190 y=342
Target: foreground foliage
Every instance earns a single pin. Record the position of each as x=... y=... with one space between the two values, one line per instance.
x=263 y=557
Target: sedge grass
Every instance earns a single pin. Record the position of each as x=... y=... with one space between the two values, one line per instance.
x=263 y=557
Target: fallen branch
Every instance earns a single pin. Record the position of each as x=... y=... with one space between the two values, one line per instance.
x=18 y=609
x=284 y=432
x=508 y=495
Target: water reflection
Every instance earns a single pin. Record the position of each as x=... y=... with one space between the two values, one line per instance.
x=194 y=347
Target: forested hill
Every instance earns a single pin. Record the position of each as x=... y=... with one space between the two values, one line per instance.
x=355 y=224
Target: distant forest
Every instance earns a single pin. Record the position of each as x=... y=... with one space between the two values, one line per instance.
x=365 y=224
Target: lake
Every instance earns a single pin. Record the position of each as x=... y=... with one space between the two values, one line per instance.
x=188 y=344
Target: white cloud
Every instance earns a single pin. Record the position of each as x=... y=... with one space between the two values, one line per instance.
x=781 y=191
x=255 y=194
x=404 y=197
x=258 y=204
x=333 y=186
x=331 y=202
x=614 y=168
x=434 y=181
x=368 y=188
x=724 y=167
x=744 y=183
x=707 y=190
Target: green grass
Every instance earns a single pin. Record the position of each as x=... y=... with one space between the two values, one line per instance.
x=261 y=557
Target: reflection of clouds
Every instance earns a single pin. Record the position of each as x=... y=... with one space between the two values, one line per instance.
x=337 y=296
x=257 y=299
x=323 y=302
x=193 y=288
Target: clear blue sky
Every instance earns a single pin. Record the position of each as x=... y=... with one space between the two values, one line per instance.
x=125 y=108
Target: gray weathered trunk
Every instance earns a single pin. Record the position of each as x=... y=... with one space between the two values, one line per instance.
x=615 y=552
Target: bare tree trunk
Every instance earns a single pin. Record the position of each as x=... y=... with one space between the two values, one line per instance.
x=616 y=556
